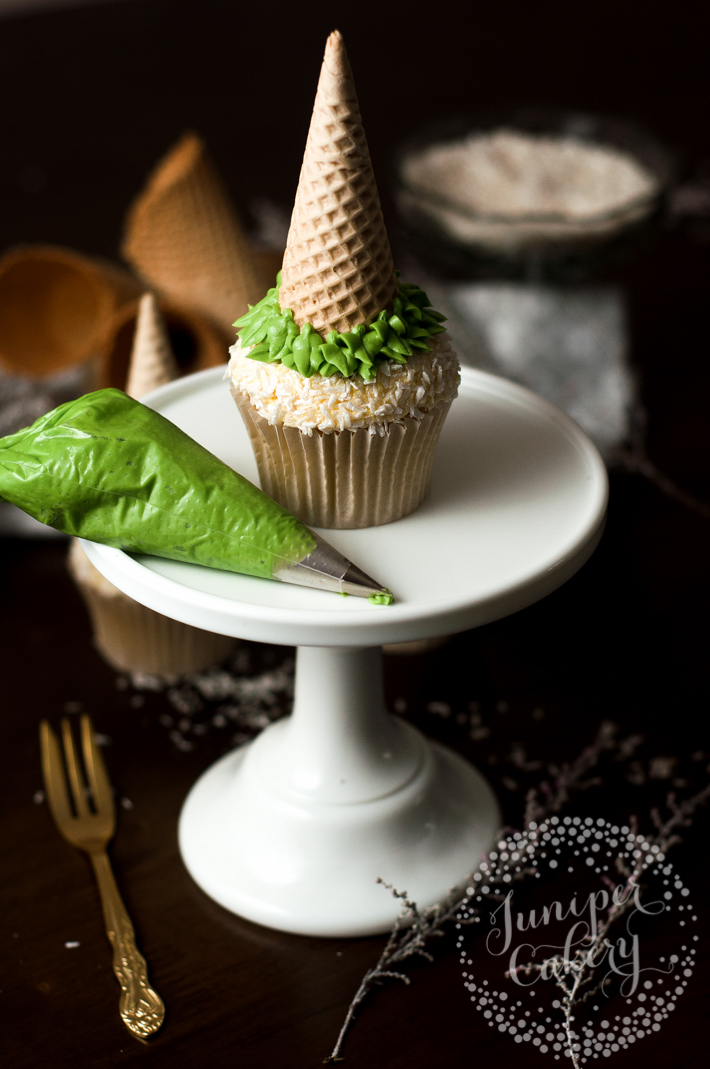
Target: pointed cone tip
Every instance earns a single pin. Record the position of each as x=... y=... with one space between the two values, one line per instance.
x=328 y=287
x=152 y=361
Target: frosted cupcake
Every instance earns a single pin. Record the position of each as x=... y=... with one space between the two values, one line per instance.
x=343 y=374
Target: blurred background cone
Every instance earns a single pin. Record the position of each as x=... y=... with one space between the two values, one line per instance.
x=195 y=342
x=55 y=308
x=183 y=237
x=152 y=362
x=129 y=636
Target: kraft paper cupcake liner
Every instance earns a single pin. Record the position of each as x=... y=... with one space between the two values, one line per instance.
x=133 y=638
x=345 y=479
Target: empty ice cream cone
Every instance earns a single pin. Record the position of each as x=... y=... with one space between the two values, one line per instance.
x=55 y=306
x=152 y=361
x=337 y=270
x=183 y=237
x=195 y=342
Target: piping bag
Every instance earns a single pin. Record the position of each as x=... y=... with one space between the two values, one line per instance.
x=109 y=469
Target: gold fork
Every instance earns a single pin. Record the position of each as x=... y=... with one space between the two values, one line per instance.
x=141 y=1008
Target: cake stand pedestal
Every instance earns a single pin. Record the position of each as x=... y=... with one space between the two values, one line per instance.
x=295 y=829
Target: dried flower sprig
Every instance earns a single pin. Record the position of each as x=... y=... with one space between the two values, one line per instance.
x=414 y=927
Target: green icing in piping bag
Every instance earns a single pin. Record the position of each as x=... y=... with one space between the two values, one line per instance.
x=109 y=469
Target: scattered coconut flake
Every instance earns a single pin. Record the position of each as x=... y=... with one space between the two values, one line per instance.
x=400 y=391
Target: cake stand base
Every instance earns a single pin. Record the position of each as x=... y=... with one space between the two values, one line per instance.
x=295 y=830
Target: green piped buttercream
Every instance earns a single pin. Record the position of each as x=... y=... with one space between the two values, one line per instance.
x=383 y=598
x=392 y=335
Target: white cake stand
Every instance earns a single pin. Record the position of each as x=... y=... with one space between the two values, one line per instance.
x=294 y=829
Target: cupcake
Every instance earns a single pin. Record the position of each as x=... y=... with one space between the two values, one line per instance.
x=342 y=373
x=128 y=635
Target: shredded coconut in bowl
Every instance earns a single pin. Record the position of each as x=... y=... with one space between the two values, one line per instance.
x=281 y=395
x=509 y=189
x=512 y=173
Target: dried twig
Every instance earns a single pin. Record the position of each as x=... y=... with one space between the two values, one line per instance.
x=573 y=975
x=414 y=927
x=634 y=458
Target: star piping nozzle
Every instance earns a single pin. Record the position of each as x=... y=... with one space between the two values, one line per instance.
x=327 y=569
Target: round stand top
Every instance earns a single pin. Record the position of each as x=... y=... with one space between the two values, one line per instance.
x=517 y=505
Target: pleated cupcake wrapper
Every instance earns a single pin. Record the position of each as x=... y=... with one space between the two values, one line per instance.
x=133 y=638
x=345 y=479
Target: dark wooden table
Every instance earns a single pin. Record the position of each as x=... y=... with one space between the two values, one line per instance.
x=93 y=97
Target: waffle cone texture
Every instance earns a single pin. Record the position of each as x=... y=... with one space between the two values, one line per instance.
x=133 y=638
x=184 y=238
x=345 y=479
x=337 y=270
x=152 y=361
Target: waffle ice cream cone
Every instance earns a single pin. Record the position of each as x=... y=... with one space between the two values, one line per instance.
x=199 y=344
x=183 y=237
x=152 y=361
x=55 y=308
x=337 y=270
x=346 y=441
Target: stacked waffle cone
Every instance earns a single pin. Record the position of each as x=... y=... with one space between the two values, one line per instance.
x=337 y=270
x=338 y=274
x=184 y=239
x=131 y=637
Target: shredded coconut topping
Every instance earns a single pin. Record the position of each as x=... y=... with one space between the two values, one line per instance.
x=281 y=395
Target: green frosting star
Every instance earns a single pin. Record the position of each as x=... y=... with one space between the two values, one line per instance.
x=394 y=335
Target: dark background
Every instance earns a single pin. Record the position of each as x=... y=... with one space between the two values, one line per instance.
x=90 y=98
x=94 y=95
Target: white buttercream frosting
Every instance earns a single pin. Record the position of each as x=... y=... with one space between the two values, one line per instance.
x=281 y=395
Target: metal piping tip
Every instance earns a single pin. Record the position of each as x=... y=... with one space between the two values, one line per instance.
x=326 y=569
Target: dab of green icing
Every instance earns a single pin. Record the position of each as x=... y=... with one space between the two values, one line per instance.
x=106 y=468
x=383 y=598
x=394 y=335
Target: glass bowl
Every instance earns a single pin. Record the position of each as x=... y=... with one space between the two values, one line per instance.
x=534 y=245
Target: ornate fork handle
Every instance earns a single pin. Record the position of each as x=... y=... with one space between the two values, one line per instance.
x=141 y=1008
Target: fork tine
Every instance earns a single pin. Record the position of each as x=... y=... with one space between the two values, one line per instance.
x=96 y=769
x=53 y=773
x=75 y=781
